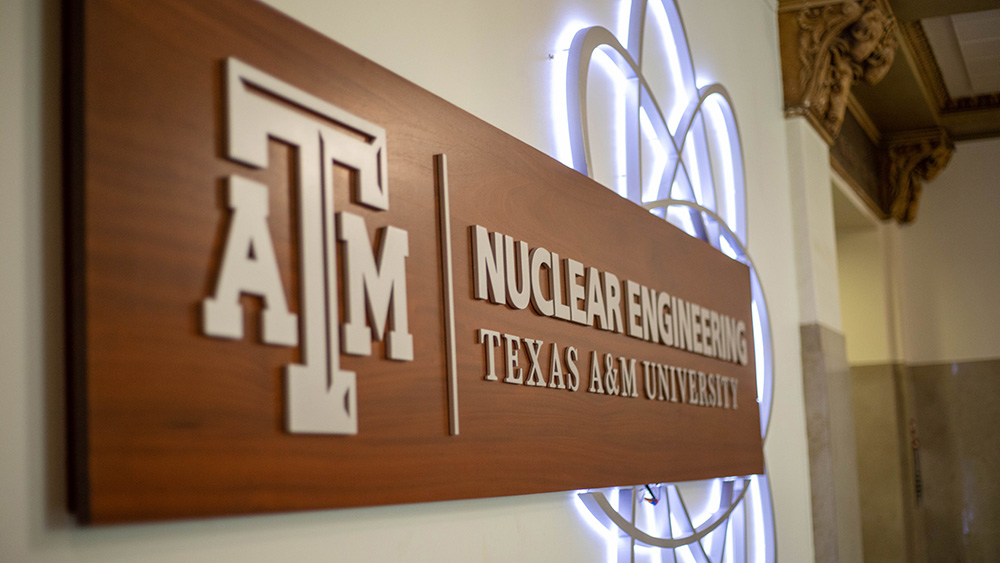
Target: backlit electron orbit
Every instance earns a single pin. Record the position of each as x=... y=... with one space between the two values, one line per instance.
x=686 y=190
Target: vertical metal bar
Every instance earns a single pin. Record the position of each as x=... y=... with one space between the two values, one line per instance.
x=626 y=507
x=636 y=494
x=447 y=277
x=670 y=521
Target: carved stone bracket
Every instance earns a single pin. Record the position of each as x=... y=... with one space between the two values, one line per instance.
x=826 y=45
x=909 y=160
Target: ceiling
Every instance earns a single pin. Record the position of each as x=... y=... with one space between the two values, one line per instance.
x=946 y=73
x=967 y=48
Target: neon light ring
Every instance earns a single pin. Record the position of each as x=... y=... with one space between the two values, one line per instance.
x=678 y=156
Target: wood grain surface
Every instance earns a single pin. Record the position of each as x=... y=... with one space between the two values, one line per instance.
x=171 y=423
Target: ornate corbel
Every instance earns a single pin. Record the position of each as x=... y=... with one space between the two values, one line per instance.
x=827 y=45
x=909 y=160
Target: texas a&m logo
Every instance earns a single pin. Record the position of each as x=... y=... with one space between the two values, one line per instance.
x=321 y=397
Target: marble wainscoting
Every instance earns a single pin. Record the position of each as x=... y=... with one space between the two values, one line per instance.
x=957 y=413
x=928 y=450
x=882 y=410
x=832 y=461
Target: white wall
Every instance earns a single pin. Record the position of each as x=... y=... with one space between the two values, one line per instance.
x=866 y=266
x=815 y=236
x=491 y=59
x=861 y=267
x=950 y=262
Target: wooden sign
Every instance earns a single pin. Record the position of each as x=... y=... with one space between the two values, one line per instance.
x=298 y=281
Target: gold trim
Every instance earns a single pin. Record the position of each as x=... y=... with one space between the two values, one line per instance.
x=864 y=120
x=796 y=5
x=856 y=188
x=974 y=103
x=926 y=63
x=930 y=74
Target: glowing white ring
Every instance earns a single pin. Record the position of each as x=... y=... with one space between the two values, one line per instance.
x=599 y=504
x=744 y=257
x=705 y=223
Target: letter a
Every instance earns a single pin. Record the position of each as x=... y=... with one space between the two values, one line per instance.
x=249 y=266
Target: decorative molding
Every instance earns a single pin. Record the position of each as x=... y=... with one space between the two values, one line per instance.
x=930 y=74
x=825 y=48
x=909 y=160
x=863 y=119
x=982 y=101
x=857 y=158
x=859 y=191
x=927 y=67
